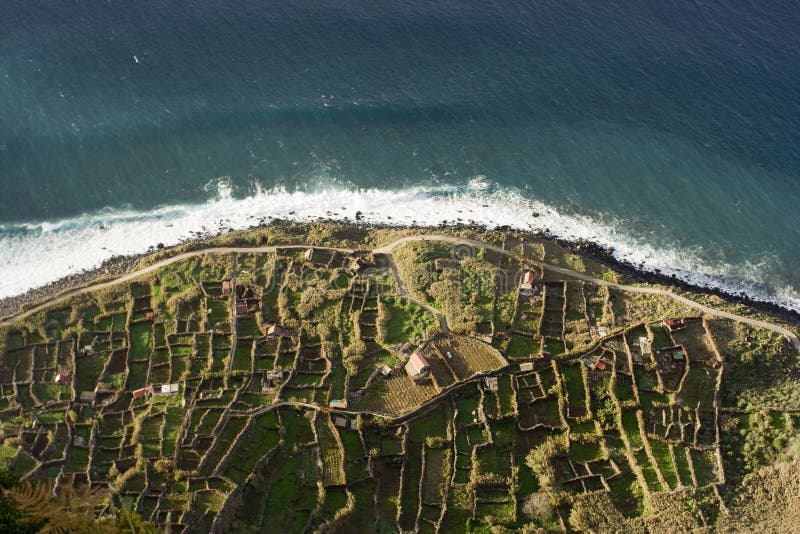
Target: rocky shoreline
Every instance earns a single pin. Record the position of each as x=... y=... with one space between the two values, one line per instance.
x=111 y=268
x=120 y=265
x=605 y=256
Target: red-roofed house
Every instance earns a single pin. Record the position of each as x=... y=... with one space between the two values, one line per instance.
x=674 y=324
x=241 y=309
x=62 y=377
x=149 y=315
x=277 y=330
x=526 y=285
x=226 y=288
x=417 y=367
x=142 y=392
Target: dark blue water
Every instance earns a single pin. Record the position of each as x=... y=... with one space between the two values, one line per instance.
x=670 y=132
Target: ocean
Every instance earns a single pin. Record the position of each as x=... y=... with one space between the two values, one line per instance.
x=668 y=131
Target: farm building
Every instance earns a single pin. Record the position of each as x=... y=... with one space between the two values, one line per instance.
x=341 y=422
x=491 y=383
x=87 y=350
x=340 y=404
x=595 y=362
x=226 y=288
x=167 y=389
x=674 y=325
x=527 y=280
x=418 y=367
x=62 y=377
x=142 y=392
x=385 y=370
x=528 y=277
x=598 y=331
x=88 y=396
x=274 y=374
x=277 y=331
x=525 y=367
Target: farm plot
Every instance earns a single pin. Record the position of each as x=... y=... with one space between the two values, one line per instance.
x=141 y=340
x=523 y=347
x=542 y=412
x=242 y=357
x=396 y=395
x=261 y=437
x=409 y=487
x=697 y=388
x=704 y=465
x=489 y=441
x=664 y=461
x=693 y=338
x=469 y=356
x=572 y=375
x=330 y=452
x=223 y=443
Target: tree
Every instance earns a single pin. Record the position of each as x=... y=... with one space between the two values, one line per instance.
x=32 y=507
x=311 y=298
x=11 y=517
x=72 y=510
x=540 y=460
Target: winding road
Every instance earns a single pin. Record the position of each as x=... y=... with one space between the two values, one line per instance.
x=387 y=251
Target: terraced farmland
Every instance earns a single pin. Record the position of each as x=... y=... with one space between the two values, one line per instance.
x=218 y=390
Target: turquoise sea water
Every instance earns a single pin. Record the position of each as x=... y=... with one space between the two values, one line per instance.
x=669 y=132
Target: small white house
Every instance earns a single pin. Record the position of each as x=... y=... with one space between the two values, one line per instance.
x=167 y=389
x=274 y=374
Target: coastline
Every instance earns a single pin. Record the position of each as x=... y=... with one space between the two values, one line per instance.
x=120 y=265
x=110 y=269
x=604 y=256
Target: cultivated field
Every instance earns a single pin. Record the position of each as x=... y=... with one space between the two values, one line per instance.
x=267 y=392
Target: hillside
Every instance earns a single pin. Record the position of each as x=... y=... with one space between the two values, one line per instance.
x=270 y=389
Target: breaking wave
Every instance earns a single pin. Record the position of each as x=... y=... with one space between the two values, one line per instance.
x=35 y=254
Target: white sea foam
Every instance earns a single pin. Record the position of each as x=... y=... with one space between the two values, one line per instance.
x=32 y=255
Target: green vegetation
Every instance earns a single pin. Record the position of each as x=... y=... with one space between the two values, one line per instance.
x=175 y=397
x=406 y=321
x=523 y=347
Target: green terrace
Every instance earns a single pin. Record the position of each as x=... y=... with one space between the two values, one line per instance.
x=351 y=393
